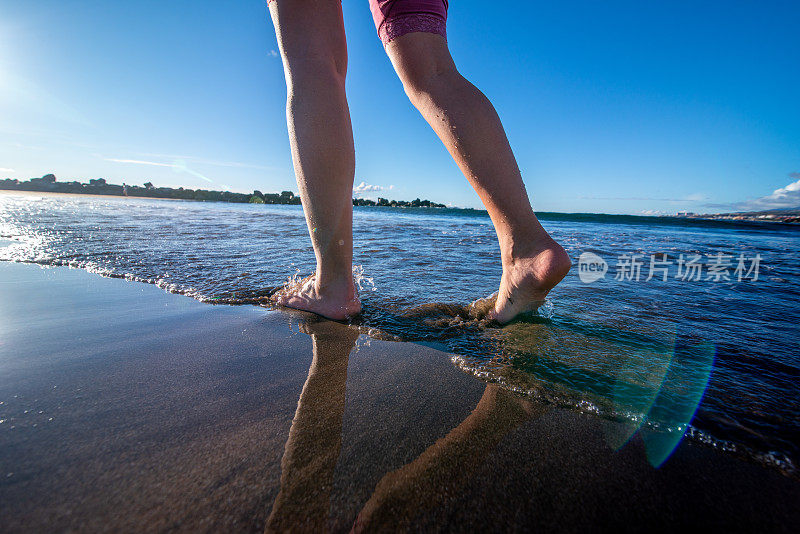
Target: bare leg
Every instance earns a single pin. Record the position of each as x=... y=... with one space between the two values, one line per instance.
x=312 y=42
x=467 y=124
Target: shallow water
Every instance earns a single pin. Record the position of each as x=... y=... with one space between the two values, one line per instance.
x=643 y=351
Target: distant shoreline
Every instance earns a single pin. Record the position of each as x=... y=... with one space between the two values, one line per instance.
x=99 y=187
x=792 y=217
x=113 y=196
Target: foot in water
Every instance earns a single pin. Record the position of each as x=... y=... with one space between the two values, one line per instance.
x=528 y=278
x=334 y=301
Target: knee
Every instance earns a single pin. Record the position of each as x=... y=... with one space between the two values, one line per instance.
x=315 y=72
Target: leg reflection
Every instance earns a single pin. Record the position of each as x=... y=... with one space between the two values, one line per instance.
x=446 y=465
x=316 y=434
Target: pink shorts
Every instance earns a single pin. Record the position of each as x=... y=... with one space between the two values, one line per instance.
x=394 y=18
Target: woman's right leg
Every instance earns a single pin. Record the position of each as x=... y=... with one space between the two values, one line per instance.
x=312 y=43
x=466 y=122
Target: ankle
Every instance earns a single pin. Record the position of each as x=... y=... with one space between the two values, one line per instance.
x=335 y=283
x=521 y=245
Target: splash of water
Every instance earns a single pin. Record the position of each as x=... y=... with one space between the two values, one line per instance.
x=362 y=281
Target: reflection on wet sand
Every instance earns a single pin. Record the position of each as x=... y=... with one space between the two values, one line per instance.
x=315 y=440
x=316 y=434
x=669 y=393
x=446 y=466
x=649 y=377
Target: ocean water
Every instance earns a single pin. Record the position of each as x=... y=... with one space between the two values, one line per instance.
x=713 y=357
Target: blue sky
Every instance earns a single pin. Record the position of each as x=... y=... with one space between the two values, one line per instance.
x=616 y=107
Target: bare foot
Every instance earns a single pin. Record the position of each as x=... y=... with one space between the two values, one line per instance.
x=334 y=301
x=527 y=280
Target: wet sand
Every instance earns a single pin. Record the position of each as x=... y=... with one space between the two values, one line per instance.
x=125 y=408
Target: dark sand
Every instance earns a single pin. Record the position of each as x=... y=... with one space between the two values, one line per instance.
x=125 y=408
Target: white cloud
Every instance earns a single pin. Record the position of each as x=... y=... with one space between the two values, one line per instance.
x=696 y=197
x=25 y=147
x=219 y=163
x=363 y=188
x=141 y=162
x=178 y=166
x=272 y=53
x=783 y=197
x=3 y=169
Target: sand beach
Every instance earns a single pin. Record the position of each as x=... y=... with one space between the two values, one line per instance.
x=126 y=408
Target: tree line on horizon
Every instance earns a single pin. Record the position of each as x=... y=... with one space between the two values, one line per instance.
x=99 y=186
